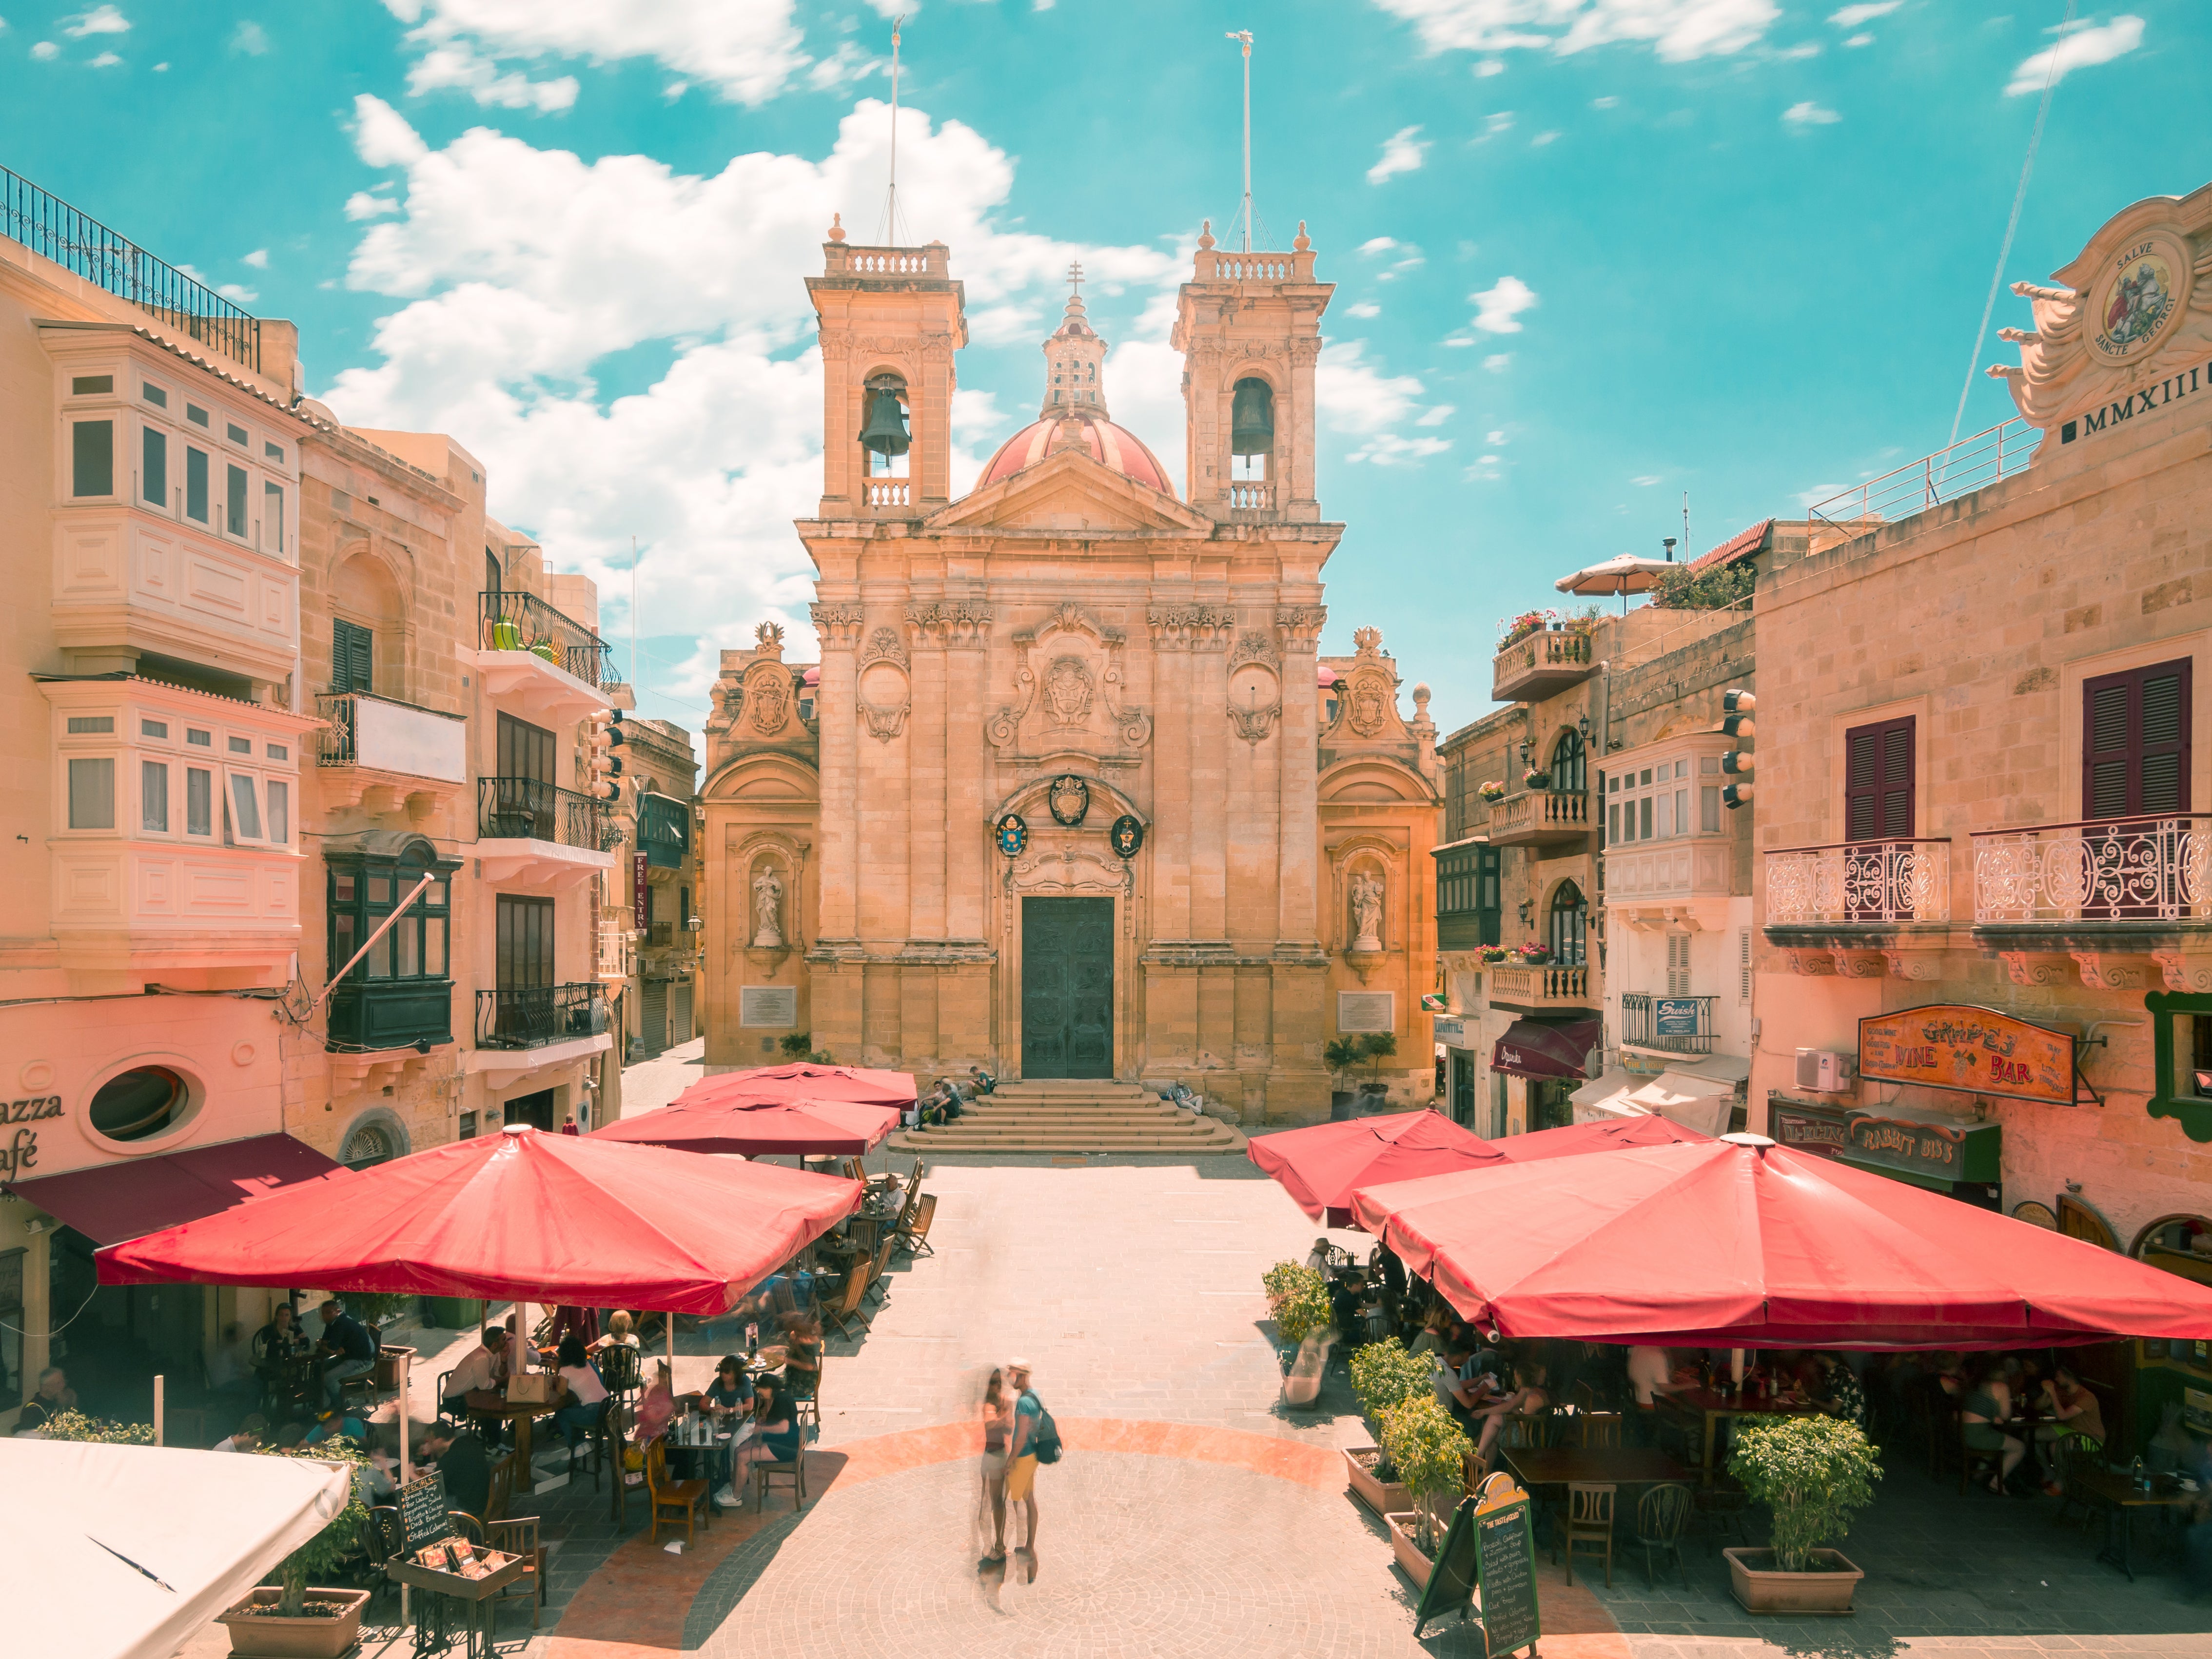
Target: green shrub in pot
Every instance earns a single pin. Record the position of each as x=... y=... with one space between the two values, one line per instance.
x=1384 y=1375
x=76 y=1425
x=1298 y=1296
x=1812 y=1473
x=336 y=1544
x=1429 y=1451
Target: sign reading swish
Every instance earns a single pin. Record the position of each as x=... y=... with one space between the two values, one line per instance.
x=1975 y=1050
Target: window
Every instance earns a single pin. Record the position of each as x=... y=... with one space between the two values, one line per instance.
x=86 y=386
x=353 y=657
x=234 y=504
x=1567 y=932
x=491 y=571
x=273 y=517
x=524 y=751
x=1678 y=964
x=91 y=723
x=244 y=794
x=1569 y=764
x=2181 y=1051
x=1654 y=803
x=152 y=728
x=139 y=1104
x=2134 y=742
x=1743 y=964
x=198 y=739
x=91 y=793
x=368 y=1146
x=196 y=484
x=154 y=467
x=274 y=452
x=196 y=415
x=92 y=458
x=199 y=801
x=280 y=811
x=524 y=945
x=237 y=436
x=241 y=745
x=1878 y=784
x=364 y=891
x=12 y=1324
x=153 y=796
x=154 y=395
x=279 y=752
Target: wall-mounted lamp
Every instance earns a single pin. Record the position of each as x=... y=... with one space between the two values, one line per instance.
x=1582 y=725
x=1527 y=912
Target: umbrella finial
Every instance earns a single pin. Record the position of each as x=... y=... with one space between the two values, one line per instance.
x=1743 y=1138
x=514 y=1130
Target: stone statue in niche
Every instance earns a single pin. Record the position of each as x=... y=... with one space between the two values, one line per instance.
x=1366 y=913
x=768 y=908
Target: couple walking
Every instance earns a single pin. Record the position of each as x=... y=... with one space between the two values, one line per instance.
x=1019 y=1434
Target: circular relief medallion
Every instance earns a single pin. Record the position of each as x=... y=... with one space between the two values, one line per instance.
x=1127 y=836
x=2140 y=291
x=1070 y=799
x=1014 y=835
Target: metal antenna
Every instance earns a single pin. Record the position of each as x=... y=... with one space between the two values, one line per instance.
x=1686 y=524
x=633 y=611
x=890 y=208
x=1244 y=37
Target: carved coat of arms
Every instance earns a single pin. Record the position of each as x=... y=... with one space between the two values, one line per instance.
x=1367 y=709
x=1070 y=799
x=1068 y=689
x=770 y=697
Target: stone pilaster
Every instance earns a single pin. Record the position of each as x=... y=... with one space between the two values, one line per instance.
x=1298 y=629
x=838 y=622
x=966 y=657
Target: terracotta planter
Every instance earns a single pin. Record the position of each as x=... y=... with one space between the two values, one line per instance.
x=1761 y=1588
x=1383 y=1496
x=266 y=1637
x=1413 y=1560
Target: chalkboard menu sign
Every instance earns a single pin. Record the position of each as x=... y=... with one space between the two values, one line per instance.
x=1506 y=1556
x=423 y=1511
x=1452 y=1580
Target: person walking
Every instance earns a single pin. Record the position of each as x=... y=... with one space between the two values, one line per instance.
x=1022 y=1457
x=997 y=1417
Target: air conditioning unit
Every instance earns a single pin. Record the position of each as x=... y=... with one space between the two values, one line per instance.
x=1824 y=1071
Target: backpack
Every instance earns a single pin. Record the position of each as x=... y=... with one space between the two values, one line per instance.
x=1044 y=1440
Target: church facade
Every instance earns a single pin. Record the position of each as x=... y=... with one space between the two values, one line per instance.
x=1071 y=791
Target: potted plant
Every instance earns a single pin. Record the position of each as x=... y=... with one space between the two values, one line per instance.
x=76 y=1426
x=1374 y=1047
x=1536 y=777
x=1492 y=955
x=1813 y=1474
x=290 y=1620
x=1534 y=953
x=1429 y=1451
x=1513 y=631
x=1340 y=1055
x=1384 y=1376
x=1297 y=1296
x=1493 y=791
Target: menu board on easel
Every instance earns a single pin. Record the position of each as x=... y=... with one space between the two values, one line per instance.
x=423 y=1511
x=1487 y=1568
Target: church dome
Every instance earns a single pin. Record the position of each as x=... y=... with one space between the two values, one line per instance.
x=1114 y=445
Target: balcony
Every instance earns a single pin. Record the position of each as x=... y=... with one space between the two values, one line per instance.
x=549 y=667
x=1667 y=874
x=370 y=1016
x=1249 y=498
x=664 y=831
x=534 y=835
x=1540 y=818
x=133 y=581
x=1667 y=1026
x=1546 y=662
x=1877 y=884
x=532 y=1029
x=1546 y=989
x=616 y=948
x=372 y=744
x=892 y=495
x=2082 y=893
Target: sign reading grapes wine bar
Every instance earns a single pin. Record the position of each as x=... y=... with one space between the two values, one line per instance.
x=1974 y=1050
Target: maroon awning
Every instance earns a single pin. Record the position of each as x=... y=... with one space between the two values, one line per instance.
x=116 y=1202
x=1530 y=1048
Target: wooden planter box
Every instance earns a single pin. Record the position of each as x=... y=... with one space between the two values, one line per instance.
x=1761 y=1588
x=1413 y=1560
x=1383 y=1496
x=265 y=1636
x=387 y=1367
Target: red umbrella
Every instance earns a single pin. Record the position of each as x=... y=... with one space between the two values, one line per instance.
x=1573 y=1140
x=522 y=1216
x=1738 y=1242
x=802 y=1080
x=1319 y=1166
x=757 y=1127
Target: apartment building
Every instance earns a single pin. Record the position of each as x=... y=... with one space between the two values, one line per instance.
x=660 y=865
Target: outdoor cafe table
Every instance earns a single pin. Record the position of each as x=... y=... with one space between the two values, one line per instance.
x=489 y=1402
x=1616 y=1466
x=2121 y=1498
x=1715 y=1410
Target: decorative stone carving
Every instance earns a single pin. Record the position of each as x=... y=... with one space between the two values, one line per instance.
x=2105 y=972
x=769 y=697
x=768 y=640
x=839 y=625
x=1252 y=646
x=1187 y=627
x=2025 y=967
x=884 y=723
x=1366 y=707
x=1811 y=963
x=1069 y=799
x=1920 y=966
x=2185 y=970
x=884 y=647
x=1300 y=625
x=1068 y=689
x=1368 y=642
x=1253 y=724
x=1066 y=692
x=1366 y=912
x=768 y=908
x=1860 y=964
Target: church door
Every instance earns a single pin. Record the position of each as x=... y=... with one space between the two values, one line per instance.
x=1067 y=987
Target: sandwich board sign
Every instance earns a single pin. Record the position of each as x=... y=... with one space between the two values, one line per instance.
x=1487 y=1570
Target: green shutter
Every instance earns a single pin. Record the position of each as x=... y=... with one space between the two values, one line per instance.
x=353 y=657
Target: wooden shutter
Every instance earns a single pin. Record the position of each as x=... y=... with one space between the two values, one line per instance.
x=1678 y=964
x=353 y=657
x=2134 y=742
x=524 y=751
x=1878 y=783
x=524 y=940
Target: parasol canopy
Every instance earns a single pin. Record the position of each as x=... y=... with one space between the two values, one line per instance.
x=1739 y=1243
x=804 y=1080
x=758 y=1128
x=1573 y=1139
x=1319 y=1166
x=1623 y=574
x=521 y=1216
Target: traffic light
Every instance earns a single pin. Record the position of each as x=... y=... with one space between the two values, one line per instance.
x=607 y=736
x=1736 y=708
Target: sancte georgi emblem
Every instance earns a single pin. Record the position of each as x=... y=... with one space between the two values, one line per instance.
x=2138 y=302
x=1013 y=835
x=1127 y=836
x=1070 y=799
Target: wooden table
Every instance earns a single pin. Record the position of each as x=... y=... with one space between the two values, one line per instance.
x=1617 y=1466
x=2121 y=1499
x=1715 y=1410
x=489 y=1402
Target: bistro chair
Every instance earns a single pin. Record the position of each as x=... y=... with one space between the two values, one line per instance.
x=383 y=1539
x=1721 y=1506
x=466 y=1527
x=877 y=1270
x=1587 y=1522
x=913 y=1234
x=502 y=1488
x=1661 y=1514
x=847 y=1303
x=855 y=1171
x=1600 y=1428
x=767 y=1476
x=685 y=1498
x=519 y=1537
x=2072 y=1454
x=620 y=1370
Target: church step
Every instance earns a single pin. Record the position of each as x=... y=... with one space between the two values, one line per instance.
x=1069 y=1107
x=932 y=1142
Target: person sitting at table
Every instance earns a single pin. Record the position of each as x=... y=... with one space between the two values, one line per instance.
x=1463 y=1386
x=1982 y=1417
x=1527 y=1400
x=459 y=1453
x=622 y=1329
x=2073 y=1409
x=656 y=1407
x=346 y=1350
x=277 y=1343
x=248 y=1437
x=1836 y=1389
x=802 y=1356
x=728 y=1400
x=776 y=1434
x=583 y=1396
x=483 y=1368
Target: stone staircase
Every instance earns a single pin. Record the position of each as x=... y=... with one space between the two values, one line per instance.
x=1073 y=1115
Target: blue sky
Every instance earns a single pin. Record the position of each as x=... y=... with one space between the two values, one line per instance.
x=1590 y=254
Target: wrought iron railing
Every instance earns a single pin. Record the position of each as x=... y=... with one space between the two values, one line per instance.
x=523 y=622
x=530 y=808
x=81 y=245
x=1867 y=882
x=2134 y=869
x=1674 y=1026
x=1969 y=464
x=532 y=1017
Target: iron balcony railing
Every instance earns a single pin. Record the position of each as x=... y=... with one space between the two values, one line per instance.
x=2149 y=870
x=1863 y=882
x=1673 y=1025
x=1969 y=464
x=523 y=622
x=530 y=808
x=81 y=245
x=532 y=1017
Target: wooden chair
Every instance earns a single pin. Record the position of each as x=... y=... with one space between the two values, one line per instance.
x=683 y=1498
x=793 y=1474
x=1600 y=1428
x=1722 y=1506
x=501 y=1490
x=2070 y=1454
x=1586 y=1522
x=855 y=1171
x=878 y=1275
x=913 y=1234
x=847 y=1303
x=1661 y=1514
x=519 y=1537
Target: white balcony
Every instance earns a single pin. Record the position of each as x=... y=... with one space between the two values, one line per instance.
x=1672 y=874
x=1540 y=989
x=372 y=744
x=1538 y=665
x=1875 y=884
x=1541 y=818
x=2143 y=873
x=128 y=579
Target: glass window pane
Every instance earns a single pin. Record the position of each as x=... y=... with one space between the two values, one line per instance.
x=379 y=958
x=408 y=930
x=275 y=452
x=245 y=798
x=92 y=458
x=234 y=506
x=236 y=433
x=279 y=810
x=154 y=467
x=343 y=940
x=196 y=483
x=277 y=751
x=1644 y=817
x=434 y=895
x=1709 y=808
x=1644 y=779
x=195 y=414
x=199 y=801
x=154 y=796
x=154 y=395
x=92 y=793
x=1709 y=765
x=1613 y=823
x=84 y=723
x=1682 y=768
x=152 y=728
x=84 y=385
x=1682 y=811
x=433 y=946
x=198 y=739
x=273 y=517
x=342 y=891
x=1665 y=816
x=379 y=892
x=241 y=745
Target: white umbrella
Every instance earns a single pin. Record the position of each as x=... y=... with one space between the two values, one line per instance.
x=128 y=1552
x=1623 y=574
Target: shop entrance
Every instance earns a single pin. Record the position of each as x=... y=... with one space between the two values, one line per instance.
x=1067 y=987
x=1551 y=1103
x=536 y=1110
x=1462 y=1089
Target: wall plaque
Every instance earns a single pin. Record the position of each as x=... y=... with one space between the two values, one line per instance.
x=1973 y=1050
x=1366 y=1010
x=768 y=1006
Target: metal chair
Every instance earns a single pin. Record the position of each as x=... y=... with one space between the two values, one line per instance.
x=2071 y=1453
x=1586 y=1522
x=383 y=1540
x=686 y=1497
x=1661 y=1514
x=620 y=1370
x=1722 y=1506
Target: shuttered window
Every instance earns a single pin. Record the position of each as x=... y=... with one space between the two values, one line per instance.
x=524 y=960
x=353 y=657
x=524 y=751
x=1877 y=788
x=2134 y=742
x=1678 y=964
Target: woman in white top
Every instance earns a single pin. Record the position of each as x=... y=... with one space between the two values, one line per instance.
x=583 y=1396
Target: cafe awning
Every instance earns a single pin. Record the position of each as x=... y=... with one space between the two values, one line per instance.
x=1532 y=1050
x=115 y=1201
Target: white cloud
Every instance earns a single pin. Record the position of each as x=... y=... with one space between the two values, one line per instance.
x=1402 y=152
x=1677 y=30
x=1490 y=66
x=1803 y=49
x=1393 y=449
x=1436 y=416
x=1646 y=481
x=1809 y=114
x=454 y=67
x=1500 y=121
x=1606 y=103
x=1498 y=361
x=1495 y=440
x=101 y=20
x=1860 y=40
x=259 y=258
x=381 y=137
x=1820 y=493
x=1375 y=244
x=1851 y=16
x=1363 y=310
x=45 y=50
x=2080 y=48
x=239 y=292
x=1498 y=309
x=1542 y=139
x=251 y=39
x=362 y=205
x=1353 y=395
x=106 y=60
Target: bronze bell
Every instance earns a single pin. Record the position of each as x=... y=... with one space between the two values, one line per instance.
x=885 y=431
x=1252 y=419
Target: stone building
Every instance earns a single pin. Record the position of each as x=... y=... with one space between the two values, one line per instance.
x=1982 y=848
x=1063 y=804
x=657 y=863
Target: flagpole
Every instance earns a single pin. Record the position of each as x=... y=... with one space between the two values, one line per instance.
x=1243 y=37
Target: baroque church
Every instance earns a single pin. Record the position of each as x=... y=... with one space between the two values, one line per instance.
x=1070 y=793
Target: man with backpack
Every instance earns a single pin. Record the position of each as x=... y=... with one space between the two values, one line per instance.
x=1037 y=1440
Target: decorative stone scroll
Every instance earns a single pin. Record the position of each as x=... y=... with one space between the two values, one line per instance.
x=886 y=695
x=1067 y=670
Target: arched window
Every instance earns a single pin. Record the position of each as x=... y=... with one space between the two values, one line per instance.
x=1568 y=926
x=1569 y=764
x=368 y=1146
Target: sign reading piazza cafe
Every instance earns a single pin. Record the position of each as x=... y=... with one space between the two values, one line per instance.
x=21 y=1151
x=1973 y=1050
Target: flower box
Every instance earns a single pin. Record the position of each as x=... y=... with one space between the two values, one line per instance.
x=318 y=1636
x=1413 y=1560
x=1762 y=1588
x=1382 y=1497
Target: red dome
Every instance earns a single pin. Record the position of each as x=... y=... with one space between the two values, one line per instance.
x=1114 y=445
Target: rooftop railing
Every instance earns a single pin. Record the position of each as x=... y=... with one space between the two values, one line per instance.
x=1971 y=464
x=81 y=245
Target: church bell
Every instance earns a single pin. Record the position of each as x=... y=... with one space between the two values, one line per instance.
x=1252 y=419
x=885 y=431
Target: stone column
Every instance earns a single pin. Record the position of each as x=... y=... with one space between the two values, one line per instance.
x=1298 y=627
x=1210 y=737
x=927 y=765
x=967 y=658
x=1172 y=780
x=838 y=622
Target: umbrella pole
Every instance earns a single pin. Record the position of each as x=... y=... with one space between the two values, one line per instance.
x=1735 y=1368
x=406 y=1468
